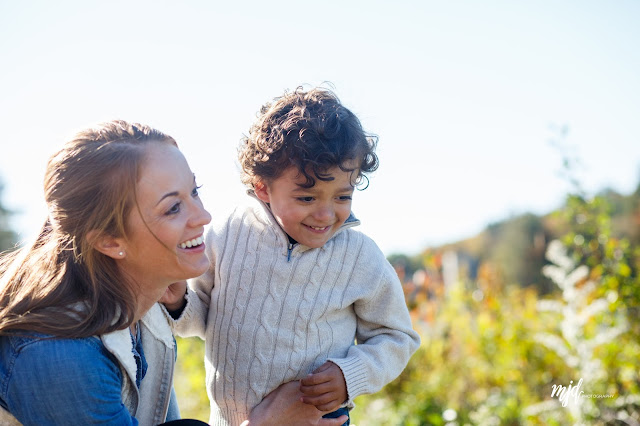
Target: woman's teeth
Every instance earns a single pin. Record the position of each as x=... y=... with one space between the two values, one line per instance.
x=317 y=228
x=192 y=243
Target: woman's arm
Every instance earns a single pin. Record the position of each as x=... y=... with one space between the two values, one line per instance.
x=65 y=381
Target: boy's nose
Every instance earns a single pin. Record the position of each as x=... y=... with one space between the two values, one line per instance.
x=324 y=214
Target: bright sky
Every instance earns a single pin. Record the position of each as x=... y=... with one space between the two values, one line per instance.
x=464 y=95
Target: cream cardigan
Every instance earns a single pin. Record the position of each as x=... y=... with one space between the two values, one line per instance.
x=271 y=313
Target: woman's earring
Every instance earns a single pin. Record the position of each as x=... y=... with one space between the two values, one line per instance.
x=121 y=253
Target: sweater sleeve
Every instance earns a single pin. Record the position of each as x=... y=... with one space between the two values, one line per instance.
x=385 y=339
x=193 y=319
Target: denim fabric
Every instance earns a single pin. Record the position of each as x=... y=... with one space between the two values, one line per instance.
x=339 y=412
x=138 y=355
x=61 y=381
x=173 y=412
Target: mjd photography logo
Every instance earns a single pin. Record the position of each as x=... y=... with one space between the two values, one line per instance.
x=572 y=393
x=565 y=393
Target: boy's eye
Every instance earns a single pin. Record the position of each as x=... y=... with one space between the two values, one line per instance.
x=305 y=199
x=345 y=197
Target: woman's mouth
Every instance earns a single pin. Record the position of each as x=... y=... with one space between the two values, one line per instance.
x=195 y=242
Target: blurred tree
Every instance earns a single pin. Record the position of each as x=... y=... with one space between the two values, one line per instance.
x=517 y=245
x=405 y=266
x=8 y=237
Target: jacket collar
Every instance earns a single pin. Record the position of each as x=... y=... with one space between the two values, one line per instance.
x=120 y=345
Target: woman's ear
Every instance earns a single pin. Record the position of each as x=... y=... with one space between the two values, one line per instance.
x=107 y=244
x=261 y=190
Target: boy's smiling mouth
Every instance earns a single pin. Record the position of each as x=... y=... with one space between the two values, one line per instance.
x=318 y=228
x=195 y=242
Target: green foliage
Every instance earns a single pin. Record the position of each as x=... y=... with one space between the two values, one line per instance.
x=405 y=265
x=475 y=360
x=189 y=379
x=613 y=260
x=517 y=245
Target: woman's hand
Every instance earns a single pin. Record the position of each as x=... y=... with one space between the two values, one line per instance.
x=173 y=297
x=284 y=406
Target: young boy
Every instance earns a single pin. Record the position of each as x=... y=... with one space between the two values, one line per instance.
x=293 y=292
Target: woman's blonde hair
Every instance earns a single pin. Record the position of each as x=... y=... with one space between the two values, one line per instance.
x=61 y=285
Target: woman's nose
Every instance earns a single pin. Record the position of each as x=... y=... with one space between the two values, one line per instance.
x=201 y=216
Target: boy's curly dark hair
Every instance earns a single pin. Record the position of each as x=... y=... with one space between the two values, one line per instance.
x=310 y=130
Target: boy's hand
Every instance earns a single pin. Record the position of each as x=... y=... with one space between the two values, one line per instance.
x=173 y=298
x=325 y=387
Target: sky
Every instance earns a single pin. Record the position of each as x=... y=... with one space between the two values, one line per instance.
x=475 y=103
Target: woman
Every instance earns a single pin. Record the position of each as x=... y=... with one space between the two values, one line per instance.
x=82 y=339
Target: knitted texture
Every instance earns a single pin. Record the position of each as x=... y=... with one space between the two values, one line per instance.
x=271 y=314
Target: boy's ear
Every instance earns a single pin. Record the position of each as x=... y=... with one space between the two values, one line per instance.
x=260 y=188
x=106 y=244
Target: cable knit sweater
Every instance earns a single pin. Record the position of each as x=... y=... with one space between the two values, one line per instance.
x=271 y=312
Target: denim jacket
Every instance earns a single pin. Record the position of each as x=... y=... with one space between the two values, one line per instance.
x=89 y=380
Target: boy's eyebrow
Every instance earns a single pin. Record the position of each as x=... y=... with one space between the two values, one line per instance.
x=300 y=188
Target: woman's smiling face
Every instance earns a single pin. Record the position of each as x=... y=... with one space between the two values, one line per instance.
x=165 y=231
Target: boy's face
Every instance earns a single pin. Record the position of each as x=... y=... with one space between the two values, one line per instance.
x=309 y=215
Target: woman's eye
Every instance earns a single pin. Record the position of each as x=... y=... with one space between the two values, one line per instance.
x=174 y=209
x=196 y=191
x=345 y=198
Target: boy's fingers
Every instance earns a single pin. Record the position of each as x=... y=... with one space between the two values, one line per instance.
x=315 y=379
x=324 y=402
x=316 y=390
x=324 y=373
x=323 y=367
